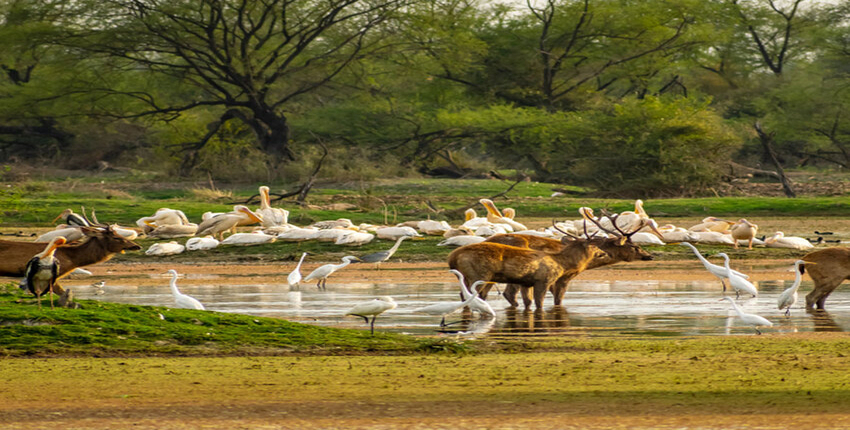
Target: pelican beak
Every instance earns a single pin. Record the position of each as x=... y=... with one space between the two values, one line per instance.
x=491 y=207
x=254 y=216
x=654 y=227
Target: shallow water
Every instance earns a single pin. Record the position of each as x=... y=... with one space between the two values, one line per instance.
x=591 y=307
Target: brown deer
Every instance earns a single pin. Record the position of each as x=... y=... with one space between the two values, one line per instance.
x=102 y=244
x=831 y=268
x=617 y=249
x=539 y=270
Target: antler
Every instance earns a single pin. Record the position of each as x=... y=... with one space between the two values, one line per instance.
x=563 y=232
x=96 y=223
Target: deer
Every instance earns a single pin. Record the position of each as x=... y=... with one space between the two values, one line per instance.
x=102 y=244
x=828 y=268
x=617 y=249
x=536 y=269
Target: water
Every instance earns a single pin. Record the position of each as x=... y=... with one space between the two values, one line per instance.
x=591 y=307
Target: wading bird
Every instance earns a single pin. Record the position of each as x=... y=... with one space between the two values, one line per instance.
x=294 y=277
x=752 y=319
x=380 y=257
x=42 y=271
x=322 y=272
x=788 y=297
x=373 y=308
x=479 y=305
x=72 y=219
x=447 y=308
x=181 y=300
x=714 y=269
x=738 y=283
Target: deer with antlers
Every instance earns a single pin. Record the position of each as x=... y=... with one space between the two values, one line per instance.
x=539 y=270
x=102 y=244
x=617 y=249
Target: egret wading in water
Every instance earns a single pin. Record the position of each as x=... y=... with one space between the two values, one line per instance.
x=322 y=272
x=714 y=269
x=738 y=283
x=373 y=308
x=181 y=300
x=481 y=306
x=788 y=297
x=447 y=308
x=752 y=319
x=294 y=278
x=42 y=271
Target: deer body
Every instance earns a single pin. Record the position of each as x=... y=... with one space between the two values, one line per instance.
x=831 y=268
x=615 y=250
x=102 y=244
x=539 y=270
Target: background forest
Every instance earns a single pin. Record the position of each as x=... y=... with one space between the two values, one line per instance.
x=628 y=97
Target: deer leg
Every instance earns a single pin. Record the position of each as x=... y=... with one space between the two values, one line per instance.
x=484 y=290
x=526 y=296
x=539 y=294
x=817 y=297
x=510 y=294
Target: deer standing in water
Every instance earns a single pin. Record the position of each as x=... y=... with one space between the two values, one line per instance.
x=831 y=267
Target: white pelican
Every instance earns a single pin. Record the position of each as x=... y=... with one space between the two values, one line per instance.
x=712 y=224
x=72 y=219
x=473 y=221
x=247 y=239
x=170 y=231
x=381 y=256
x=165 y=248
x=294 y=277
x=200 y=243
x=788 y=297
x=163 y=216
x=738 y=283
x=181 y=300
x=627 y=220
x=496 y=217
x=355 y=238
x=462 y=240
x=331 y=234
x=779 y=240
x=42 y=271
x=219 y=224
x=393 y=233
x=298 y=234
x=373 y=308
x=271 y=216
x=713 y=237
x=751 y=319
x=126 y=233
x=644 y=238
x=337 y=223
x=744 y=230
x=460 y=231
x=70 y=234
x=714 y=269
x=322 y=272
x=672 y=234
x=490 y=230
x=447 y=308
x=433 y=228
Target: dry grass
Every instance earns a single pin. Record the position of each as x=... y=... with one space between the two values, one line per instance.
x=213 y=195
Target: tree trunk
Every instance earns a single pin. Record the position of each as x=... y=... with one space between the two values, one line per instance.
x=767 y=142
x=273 y=133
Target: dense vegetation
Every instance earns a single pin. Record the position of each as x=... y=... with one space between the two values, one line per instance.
x=650 y=96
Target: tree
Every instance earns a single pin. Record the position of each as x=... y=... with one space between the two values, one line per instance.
x=247 y=60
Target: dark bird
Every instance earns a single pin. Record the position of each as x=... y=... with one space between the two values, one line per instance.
x=72 y=219
x=380 y=257
x=42 y=271
x=824 y=233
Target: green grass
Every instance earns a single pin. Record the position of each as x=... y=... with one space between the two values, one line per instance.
x=119 y=329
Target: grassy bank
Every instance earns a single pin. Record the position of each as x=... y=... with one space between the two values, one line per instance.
x=109 y=329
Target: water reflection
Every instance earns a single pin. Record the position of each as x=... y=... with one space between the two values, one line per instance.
x=595 y=308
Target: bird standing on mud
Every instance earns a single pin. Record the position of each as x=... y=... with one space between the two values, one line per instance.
x=42 y=271
x=322 y=272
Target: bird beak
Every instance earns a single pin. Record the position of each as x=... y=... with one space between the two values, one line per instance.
x=491 y=207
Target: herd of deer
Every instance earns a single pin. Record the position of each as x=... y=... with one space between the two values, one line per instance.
x=530 y=265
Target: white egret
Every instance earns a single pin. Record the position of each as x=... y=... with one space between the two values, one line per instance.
x=181 y=300
x=737 y=282
x=788 y=297
x=447 y=308
x=42 y=271
x=294 y=277
x=322 y=272
x=752 y=319
x=479 y=305
x=714 y=269
x=374 y=308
